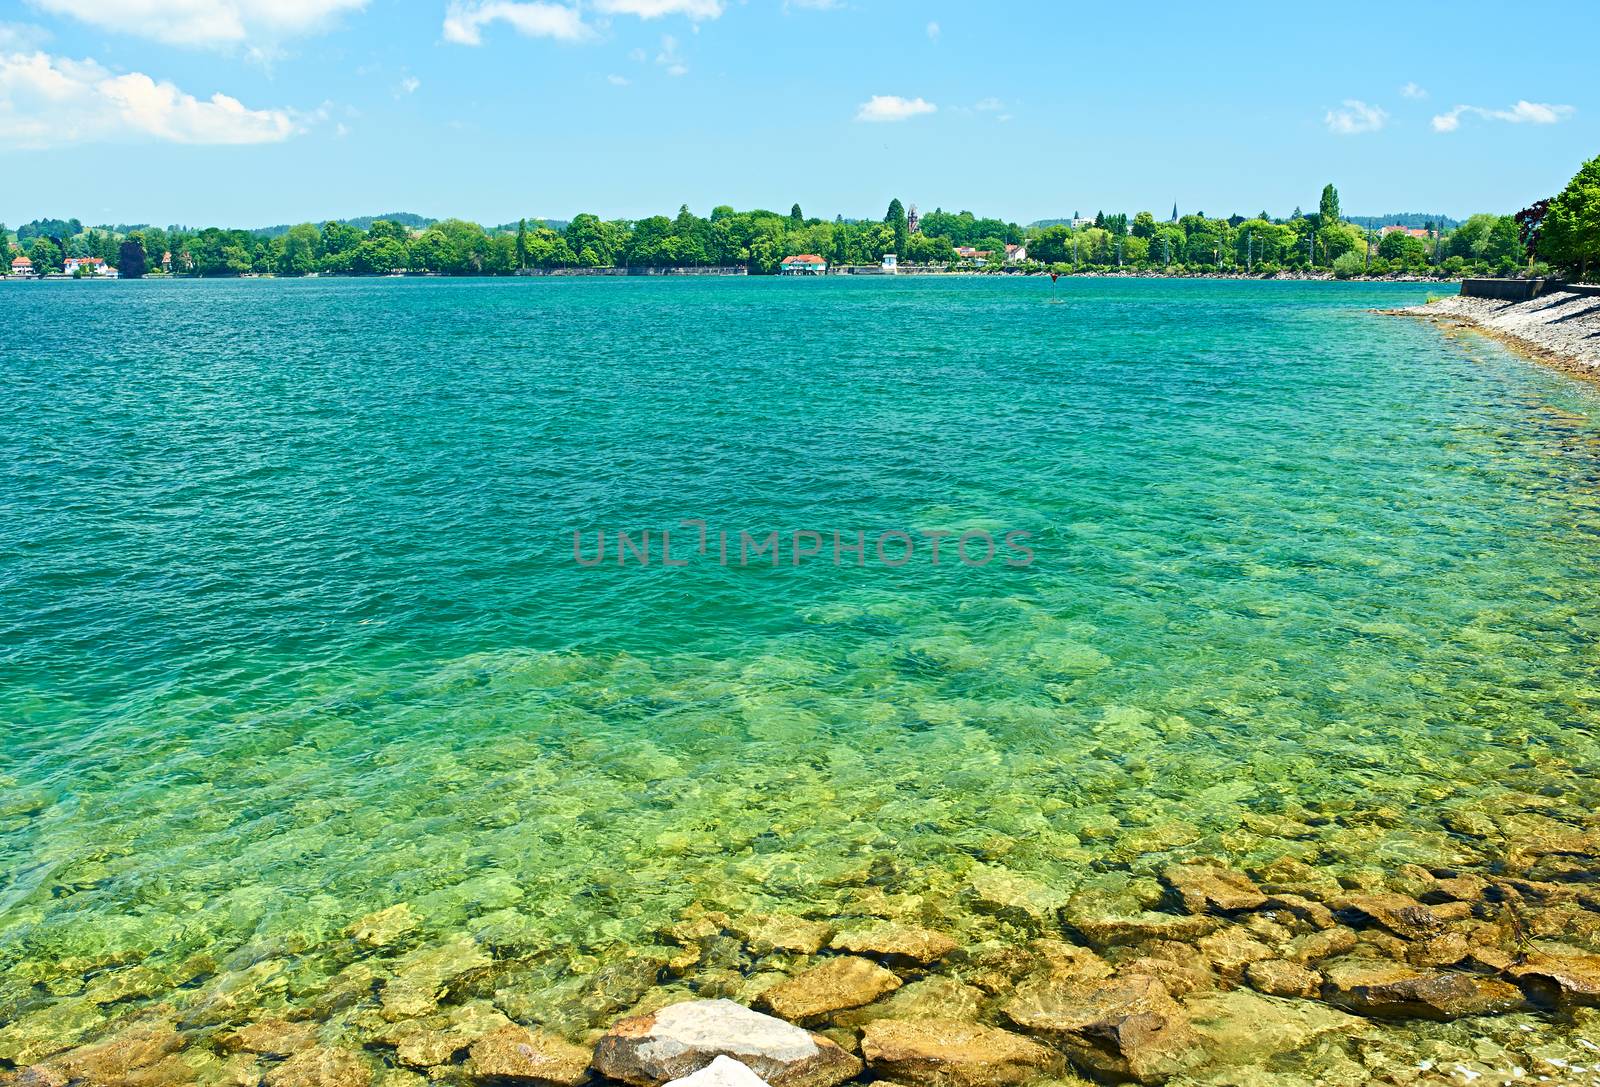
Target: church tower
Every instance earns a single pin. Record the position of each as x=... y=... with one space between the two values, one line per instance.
x=1174 y=212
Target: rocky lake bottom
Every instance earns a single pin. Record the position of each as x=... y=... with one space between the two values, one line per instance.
x=326 y=766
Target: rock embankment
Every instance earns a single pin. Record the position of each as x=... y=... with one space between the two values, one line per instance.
x=1561 y=328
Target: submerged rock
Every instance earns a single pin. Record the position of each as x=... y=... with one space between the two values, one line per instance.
x=1400 y=914
x=681 y=1039
x=119 y=1058
x=766 y=933
x=385 y=927
x=1564 y=979
x=518 y=1055
x=896 y=943
x=1241 y=1026
x=1110 y=930
x=946 y=1053
x=1277 y=977
x=844 y=982
x=1012 y=897
x=1388 y=990
x=931 y=998
x=271 y=1038
x=1207 y=888
x=1125 y=1028
x=322 y=1066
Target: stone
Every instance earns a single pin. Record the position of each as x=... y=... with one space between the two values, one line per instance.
x=385 y=927
x=1278 y=977
x=896 y=944
x=1323 y=944
x=1387 y=990
x=118 y=1058
x=1012 y=897
x=766 y=933
x=934 y=997
x=1304 y=910
x=321 y=1066
x=424 y=1043
x=1059 y=959
x=517 y=1055
x=1246 y=1027
x=950 y=1053
x=271 y=1038
x=1564 y=979
x=722 y=1072
x=1110 y=930
x=1124 y=1028
x=1400 y=914
x=680 y=1039
x=1207 y=888
x=1230 y=951
x=843 y=982
x=423 y=977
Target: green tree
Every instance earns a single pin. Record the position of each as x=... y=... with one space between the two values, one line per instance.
x=130 y=258
x=796 y=219
x=522 y=243
x=895 y=219
x=1144 y=225
x=1570 y=235
x=46 y=255
x=1329 y=207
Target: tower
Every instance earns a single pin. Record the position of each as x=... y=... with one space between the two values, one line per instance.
x=912 y=221
x=1174 y=212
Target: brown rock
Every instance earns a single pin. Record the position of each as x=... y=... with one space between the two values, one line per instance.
x=947 y=1053
x=516 y=1054
x=1230 y=951
x=896 y=943
x=933 y=997
x=117 y=1058
x=1461 y=888
x=1321 y=945
x=1246 y=1028
x=271 y=1038
x=650 y=1050
x=322 y=1066
x=1102 y=931
x=1391 y=991
x=385 y=927
x=844 y=982
x=1445 y=949
x=1308 y=912
x=1059 y=959
x=1400 y=914
x=1565 y=979
x=1208 y=888
x=1125 y=1028
x=1277 y=977
x=766 y=933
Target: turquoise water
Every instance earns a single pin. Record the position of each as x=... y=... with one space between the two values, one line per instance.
x=291 y=628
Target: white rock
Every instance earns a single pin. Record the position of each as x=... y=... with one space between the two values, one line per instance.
x=722 y=1072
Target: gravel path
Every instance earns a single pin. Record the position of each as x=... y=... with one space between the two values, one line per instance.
x=1562 y=328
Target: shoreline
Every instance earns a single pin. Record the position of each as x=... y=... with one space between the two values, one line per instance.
x=1560 y=329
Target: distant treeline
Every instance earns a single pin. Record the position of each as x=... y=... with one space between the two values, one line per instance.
x=1563 y=231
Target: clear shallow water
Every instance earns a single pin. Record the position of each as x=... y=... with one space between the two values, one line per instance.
x=290 y=628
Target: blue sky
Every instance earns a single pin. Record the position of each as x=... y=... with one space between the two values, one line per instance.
x=494 y=109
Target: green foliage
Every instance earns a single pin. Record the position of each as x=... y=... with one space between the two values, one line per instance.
x=1570 y=235
x=1348 y=265
x=131 y=258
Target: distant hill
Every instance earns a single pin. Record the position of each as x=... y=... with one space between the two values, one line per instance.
x=360 y=222
x=557 y=225
x=1416 y=220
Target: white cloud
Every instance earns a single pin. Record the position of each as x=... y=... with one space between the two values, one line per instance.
x=206 y=22
x=933 y=31
x=989 y=105
x=814 y=5
x=669 y=58
x=1355 y=117
x=409 y=84
x=22 y=36
x=1411 y=90
x=48 y=101
x=464 y=22
x=891 y=107
x=655 y=9
x=1524 y=112
x=618 y=80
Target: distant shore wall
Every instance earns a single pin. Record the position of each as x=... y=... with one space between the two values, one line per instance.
x=1510 y=290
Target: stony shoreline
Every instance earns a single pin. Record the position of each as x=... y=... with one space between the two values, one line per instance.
x=1561 y=328
x=1198 y=973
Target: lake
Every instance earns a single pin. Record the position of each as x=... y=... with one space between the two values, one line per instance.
x=303 y=620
